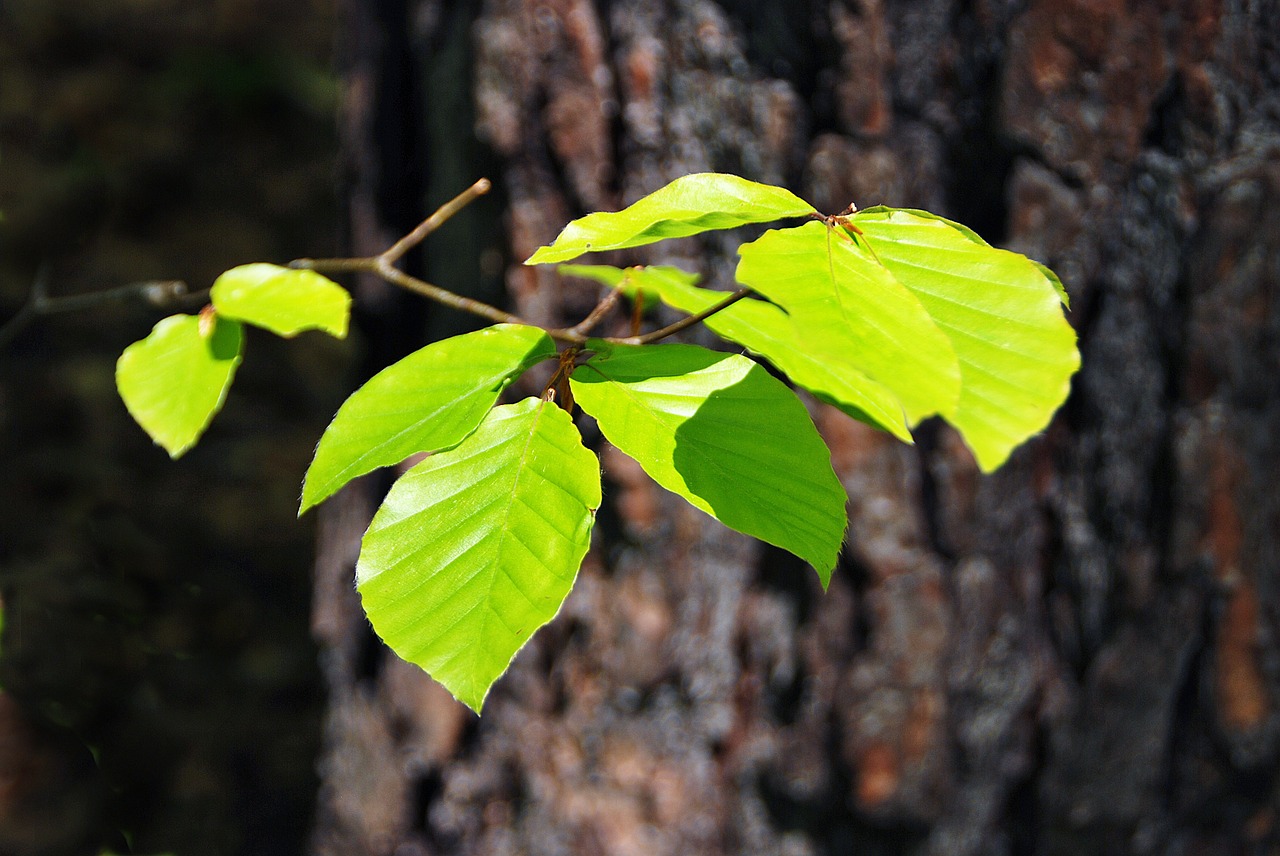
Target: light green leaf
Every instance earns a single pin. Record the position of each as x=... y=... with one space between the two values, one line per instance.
x=176 y=379
x=687 y=206
x=609 y=275
x=429 y=400
x=1002 y=314
x=842 y=301
x=282 y=300
x=476 y=547
x=723 y=433
x=973 y=236
x=767 y=330
x=1063 y=297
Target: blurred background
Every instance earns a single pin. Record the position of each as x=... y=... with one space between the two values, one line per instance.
x=160 y=687
x=1079 y=654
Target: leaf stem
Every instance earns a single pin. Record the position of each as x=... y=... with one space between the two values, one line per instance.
x=683 y=323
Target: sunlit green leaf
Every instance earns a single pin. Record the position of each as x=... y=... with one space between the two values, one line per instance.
x=282 y=300
x=1058 y=287
x=723 y=433
x=476 y=547
x=842 y=301
x=427 y=401
x=687 y=206
x=768 y=331
x=176 y=379
x=1002 y=314
x=874 y=213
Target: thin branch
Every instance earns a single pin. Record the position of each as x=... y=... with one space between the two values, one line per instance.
x=395 y=276
x=441 y=214
x=586 y=325
x=360 y=265
x=164 y=293
x=383 y=266
x=683 y=323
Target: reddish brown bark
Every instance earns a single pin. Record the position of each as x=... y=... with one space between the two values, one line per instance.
x=1077 y=654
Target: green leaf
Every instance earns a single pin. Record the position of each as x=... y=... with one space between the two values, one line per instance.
x=768 y=331
x=429 y=400
x=282 y=300
x=723 y=433
x=475 y=548
x=176 y=379
x=1063 y=297
x=687 y=206
x=973 y=236
x=842 y=301
x=1002 y=314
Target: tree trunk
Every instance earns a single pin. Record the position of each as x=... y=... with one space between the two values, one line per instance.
x=1078 y=654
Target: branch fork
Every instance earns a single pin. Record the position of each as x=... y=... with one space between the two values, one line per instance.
x=384 y=266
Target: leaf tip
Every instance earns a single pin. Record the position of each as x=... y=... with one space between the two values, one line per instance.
x=539 y=256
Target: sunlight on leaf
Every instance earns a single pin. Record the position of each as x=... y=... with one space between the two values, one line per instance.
x=720 y=431
x=282 y=300
x=176 y=379
x=846 y=303
x=1002 y=314
x=768 y=331
x=427 y=401
x=687 y=206
x=476 y=547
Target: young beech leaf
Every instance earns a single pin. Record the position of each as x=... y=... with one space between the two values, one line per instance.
x=176 y=379
x=282 y=300
x=427 y=401
x=723 y=433
x=1002 y=314
x=476 y=547
x=767 y=330
x=687 y=206
x=845 y=302
x=871 y=213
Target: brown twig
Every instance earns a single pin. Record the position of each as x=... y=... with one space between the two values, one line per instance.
x=163 y=293
x=437 y=218
x=586 y=325
x=383 y=266
x=683 y=323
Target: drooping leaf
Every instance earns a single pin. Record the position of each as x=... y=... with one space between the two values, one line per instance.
x=765 y=329
x=687 y=206
x=429 y=400
x=282 y=300
x=1002 y=314
x=720 y=431
x=842 y=301
x=175 y=380
x=476 y=547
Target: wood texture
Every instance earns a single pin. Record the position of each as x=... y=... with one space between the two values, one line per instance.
x=1076 y=655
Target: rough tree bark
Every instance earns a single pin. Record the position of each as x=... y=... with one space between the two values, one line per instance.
x=1076 y=655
